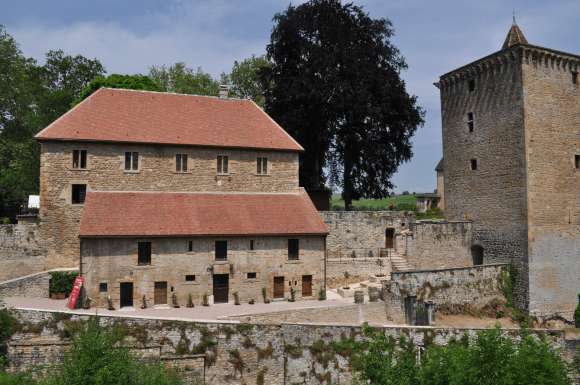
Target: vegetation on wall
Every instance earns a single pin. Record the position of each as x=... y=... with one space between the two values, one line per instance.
x=577 y=314
x=489 y=358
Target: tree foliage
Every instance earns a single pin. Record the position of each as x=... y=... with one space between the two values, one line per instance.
x=245 y=79
x=334 y=83
x=490 y=358
x=131 y=82
x=181 y=79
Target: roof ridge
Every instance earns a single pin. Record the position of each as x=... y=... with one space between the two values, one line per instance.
x=177 y=94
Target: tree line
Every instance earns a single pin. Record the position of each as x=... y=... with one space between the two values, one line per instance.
x=331 y=77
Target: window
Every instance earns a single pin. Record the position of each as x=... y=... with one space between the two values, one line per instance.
x=190 y=246
x=470 y=123
x=144 y=253
x=79 y=192
x=474 y=164
x=251 y=244
x=577 y=161
x=293 y=249
x=80 y=159
x=221 y=250
x=181 y=162
x=131 y=161
x=190 y=278
x=471 y=85
x=252 y=275
x=262 y=165
x=103 y=287
x=575 y=77
x=222 y=164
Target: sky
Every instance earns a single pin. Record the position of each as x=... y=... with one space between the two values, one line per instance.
x=129 y=36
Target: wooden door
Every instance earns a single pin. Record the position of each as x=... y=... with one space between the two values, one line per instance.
x=126 y=294
x=389 y=238
x=221 y=288
x=160 y=293
x=307 y=286
x=278 y=287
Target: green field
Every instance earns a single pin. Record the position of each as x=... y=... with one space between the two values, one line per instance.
x=399 y=202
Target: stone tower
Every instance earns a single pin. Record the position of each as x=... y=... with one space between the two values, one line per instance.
x=511 y=147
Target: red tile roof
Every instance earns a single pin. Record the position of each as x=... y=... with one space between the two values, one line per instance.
x=117 y=115
x=136 y=214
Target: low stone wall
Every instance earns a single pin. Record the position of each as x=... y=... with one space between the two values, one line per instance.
x=474 y=286
x=32 y=286
x=223 y=353
x=21 y=252
x=358 y=269
x=360 y=233
x=440 y=245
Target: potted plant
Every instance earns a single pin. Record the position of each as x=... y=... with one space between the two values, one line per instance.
x=346 y=277
x=321 y=294
x=61 y=283
x=144 y=302
x=236 y=298
x=110 y=303
x=174 y=300
x=292 y=294
x=205 y=299
x=265 y=295
x=189 y=300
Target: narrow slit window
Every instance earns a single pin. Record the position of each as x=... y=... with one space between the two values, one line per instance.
x=251 y=244
x=144 y=253
x=471 y=85
x=222 y=164
x=577 y=161
x=470 y=121
x=181 y=162
x=474 y=164
x=78 y=193
x=262 y=165
x=131 y=161
x=80 y=159
x=190 y=246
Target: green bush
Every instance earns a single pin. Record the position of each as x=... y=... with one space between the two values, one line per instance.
x=62 y=281
x=490 y=358
x=577 y=314
x=15 y=379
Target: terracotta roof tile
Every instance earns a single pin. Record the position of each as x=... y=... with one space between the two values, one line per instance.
x=116 y=115
x=135 y=214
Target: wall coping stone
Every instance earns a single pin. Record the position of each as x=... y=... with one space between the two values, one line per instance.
x=36 y=274
x=448 y=269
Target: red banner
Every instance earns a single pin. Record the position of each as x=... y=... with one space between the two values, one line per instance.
x=76 y=291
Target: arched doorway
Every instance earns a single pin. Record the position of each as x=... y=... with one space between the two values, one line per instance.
x=477 y=254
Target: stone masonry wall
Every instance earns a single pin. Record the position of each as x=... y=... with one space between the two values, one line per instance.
x=360 y=233
x=552 y=117
x=493 y=195
x=105 y=171
x=233 y=353
x=475 y=286
x=359 y=269
x=440 y=245
x=21 y=251
x=113 y=261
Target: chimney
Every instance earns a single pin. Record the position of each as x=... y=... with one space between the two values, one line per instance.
x=224 y=90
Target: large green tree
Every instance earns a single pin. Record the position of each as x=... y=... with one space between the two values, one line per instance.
x=184 y=80
x=131 y=82
x=334 y=83
x=245 y=80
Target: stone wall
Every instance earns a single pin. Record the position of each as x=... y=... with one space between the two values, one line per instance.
x=358 y=269
x=33 y=286
x=21 y=250
x=440 y=245
x=113 y=261
x=360 y=233
x=474 y=286
x=551 y=105
x=105 y=172
x=233 y=353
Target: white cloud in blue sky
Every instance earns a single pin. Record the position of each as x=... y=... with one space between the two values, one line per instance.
x=434 y=36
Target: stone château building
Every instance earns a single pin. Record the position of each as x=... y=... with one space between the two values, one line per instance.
x=511 y=145
x=156 y=193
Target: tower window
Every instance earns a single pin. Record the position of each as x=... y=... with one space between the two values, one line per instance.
x=470 y=121
x=471 y=85
x=474 y=164
x=251 y=244
x=190 y=246
x=577 y=161
x=575 y=77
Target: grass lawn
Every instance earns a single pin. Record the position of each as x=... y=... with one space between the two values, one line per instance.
x=401 y=202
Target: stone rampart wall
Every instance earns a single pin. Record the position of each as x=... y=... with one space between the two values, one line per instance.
x=21 y=251
x=473 y=286
x=272 y=354
x=358 y=269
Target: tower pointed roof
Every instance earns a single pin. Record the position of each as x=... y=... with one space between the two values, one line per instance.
x=514 y=36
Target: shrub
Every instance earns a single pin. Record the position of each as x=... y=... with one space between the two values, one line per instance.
x=577 y=314
x=62 y=281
